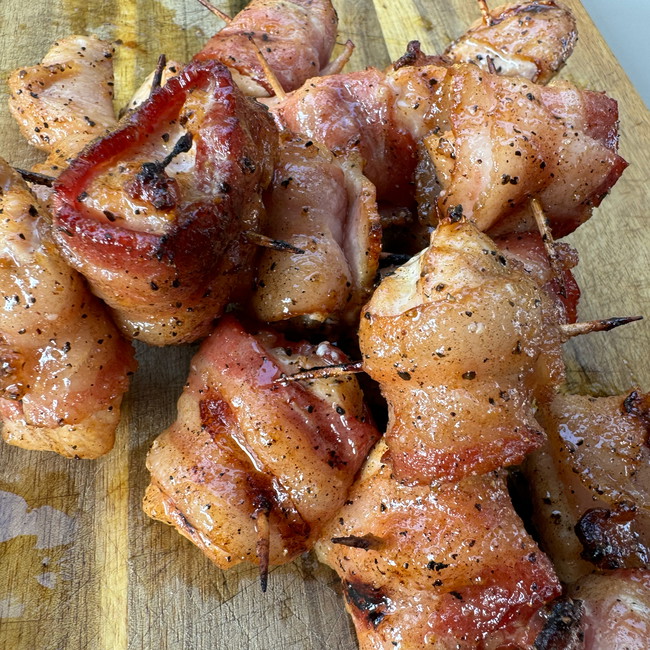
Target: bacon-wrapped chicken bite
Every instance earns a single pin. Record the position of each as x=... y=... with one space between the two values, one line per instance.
x=591 y=483
x=65 y=366
x=327 y=208
x=155 y=213
x=66 y=101
x=532 y=39
x=501 y=141
x=356 y=111
x=445 y=566
x=460 y=341
x=251 y=470
x=296 y=38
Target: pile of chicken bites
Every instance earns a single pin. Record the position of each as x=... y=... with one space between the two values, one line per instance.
x=265 y=202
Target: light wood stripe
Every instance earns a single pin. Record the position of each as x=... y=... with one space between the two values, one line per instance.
x=112 y=543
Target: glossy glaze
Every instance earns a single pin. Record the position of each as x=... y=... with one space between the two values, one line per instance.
x=296 y=37
x=531 y=40
x=325 y=206
x=438 y=567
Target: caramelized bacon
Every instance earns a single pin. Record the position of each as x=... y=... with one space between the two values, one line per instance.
x=65 y=366
x=450 y=565
x=608 y=539
x=356 y=110
x=460 y=341
x=563 y=626
x=161 y=239
x=67 y=100
x=532 y=39
x=327 y=208
x=296 y=37
x=592 y=113
x=243 y=444
x=494 y=141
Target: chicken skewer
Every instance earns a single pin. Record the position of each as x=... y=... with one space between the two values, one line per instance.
x=595 y=462
x=298 y=37
x=436 y=566
x=531 y=40
x=327 y=208
x=468 y=118
x=261 y=525
x=590 y=492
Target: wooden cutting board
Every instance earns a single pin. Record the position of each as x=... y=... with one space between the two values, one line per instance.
x=80 y=564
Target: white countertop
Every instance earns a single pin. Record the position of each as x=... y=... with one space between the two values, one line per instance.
x=625 y=24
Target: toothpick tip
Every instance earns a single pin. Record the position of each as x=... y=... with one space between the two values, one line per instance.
x=216 y=11
x=604 y=325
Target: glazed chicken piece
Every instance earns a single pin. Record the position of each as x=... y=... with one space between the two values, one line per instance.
x=155 y=213
x=461 y=340
x=327 y=208
x=65 y=367
x=66 y=101
x=443 y=566
x=591 y=483
x=501 y=141
x=249 y=460
x=531 y=40
x=296 y=38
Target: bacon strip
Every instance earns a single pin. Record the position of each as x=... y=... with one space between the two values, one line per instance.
x=356 y=111
x=494 y=141
x=499 y=143
x=528 y=250
x=164 y=247
x=326 y=207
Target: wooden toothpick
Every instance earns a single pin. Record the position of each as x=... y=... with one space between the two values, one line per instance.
x=216 y=11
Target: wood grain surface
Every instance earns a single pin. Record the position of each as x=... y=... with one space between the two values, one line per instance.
x=80 y=564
